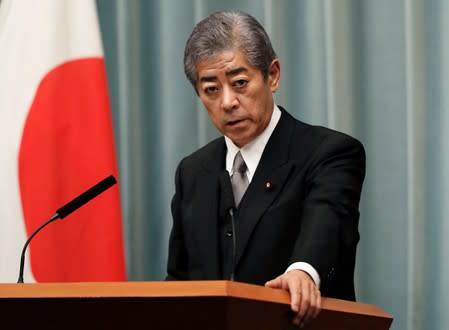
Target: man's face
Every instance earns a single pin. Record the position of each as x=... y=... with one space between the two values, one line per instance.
x=239 y=101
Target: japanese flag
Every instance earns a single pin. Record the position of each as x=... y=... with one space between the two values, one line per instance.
x=56 y=140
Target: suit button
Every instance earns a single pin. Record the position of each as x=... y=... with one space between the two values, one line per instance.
x=331 y=273
x=229 y=233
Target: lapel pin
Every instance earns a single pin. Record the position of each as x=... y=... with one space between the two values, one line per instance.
x=268 y=186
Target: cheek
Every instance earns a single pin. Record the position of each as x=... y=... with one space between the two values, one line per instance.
x=210 y=106
x=254 y=108
x=215 y=116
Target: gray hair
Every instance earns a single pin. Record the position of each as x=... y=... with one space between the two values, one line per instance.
x=228 y=30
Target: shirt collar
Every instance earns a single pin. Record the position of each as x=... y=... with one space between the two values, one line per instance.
x=252 y=152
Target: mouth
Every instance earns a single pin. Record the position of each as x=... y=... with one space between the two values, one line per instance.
x=236 y=122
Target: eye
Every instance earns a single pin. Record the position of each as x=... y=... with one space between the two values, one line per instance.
x=210 y=90
x=240 y=83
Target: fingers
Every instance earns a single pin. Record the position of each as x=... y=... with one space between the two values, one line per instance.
x=305 y=296
x=311 y=307
x=318 y=304
x=275 y=283
x=296 y=305
x=305 y=303
x=296 y=297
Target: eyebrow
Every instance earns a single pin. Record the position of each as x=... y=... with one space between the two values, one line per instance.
x=232 y=72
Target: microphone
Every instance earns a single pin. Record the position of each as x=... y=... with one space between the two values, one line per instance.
x=86 y=197
x=68 y=208
x=227 y=206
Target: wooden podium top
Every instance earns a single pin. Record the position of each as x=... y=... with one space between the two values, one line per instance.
x=211 y=296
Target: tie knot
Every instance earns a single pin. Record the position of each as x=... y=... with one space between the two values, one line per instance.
x=239 y=164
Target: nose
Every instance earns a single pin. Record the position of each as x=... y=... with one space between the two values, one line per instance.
x=229 y=100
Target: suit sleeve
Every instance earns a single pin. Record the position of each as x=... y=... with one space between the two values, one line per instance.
x=329 y=222
x=177 y=255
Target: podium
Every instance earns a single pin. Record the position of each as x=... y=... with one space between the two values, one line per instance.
x=184 y=305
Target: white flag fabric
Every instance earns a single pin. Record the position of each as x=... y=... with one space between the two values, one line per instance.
x=56 y=140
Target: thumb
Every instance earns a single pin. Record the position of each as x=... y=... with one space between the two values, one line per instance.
x=275 y=283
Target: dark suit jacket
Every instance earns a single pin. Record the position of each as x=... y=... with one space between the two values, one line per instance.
x=310 y=214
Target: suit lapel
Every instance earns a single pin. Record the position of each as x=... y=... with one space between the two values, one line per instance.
x=208 y=189
x=274 y=168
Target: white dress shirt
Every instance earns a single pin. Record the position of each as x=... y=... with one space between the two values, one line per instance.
x=251 y=153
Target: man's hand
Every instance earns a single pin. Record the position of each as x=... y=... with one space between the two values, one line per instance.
x=305 y=296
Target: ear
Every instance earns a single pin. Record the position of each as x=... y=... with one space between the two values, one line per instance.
x=274 y=75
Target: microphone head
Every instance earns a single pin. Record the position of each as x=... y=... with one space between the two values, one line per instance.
x=86 y=197
x=227 y=196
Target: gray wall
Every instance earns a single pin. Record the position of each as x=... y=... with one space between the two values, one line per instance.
x=376 y=69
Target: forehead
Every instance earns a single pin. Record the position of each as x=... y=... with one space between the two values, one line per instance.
x=227 y=62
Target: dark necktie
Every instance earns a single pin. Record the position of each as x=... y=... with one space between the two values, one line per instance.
x=239 y=179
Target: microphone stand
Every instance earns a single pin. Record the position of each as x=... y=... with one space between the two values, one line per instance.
x=234 y=243
x=22 y=256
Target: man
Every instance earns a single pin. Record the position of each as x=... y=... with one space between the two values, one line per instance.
x=296 y=187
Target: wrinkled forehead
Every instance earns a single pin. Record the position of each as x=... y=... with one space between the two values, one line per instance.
x=226 y=63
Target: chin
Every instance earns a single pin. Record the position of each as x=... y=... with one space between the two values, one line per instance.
x=240 y=140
